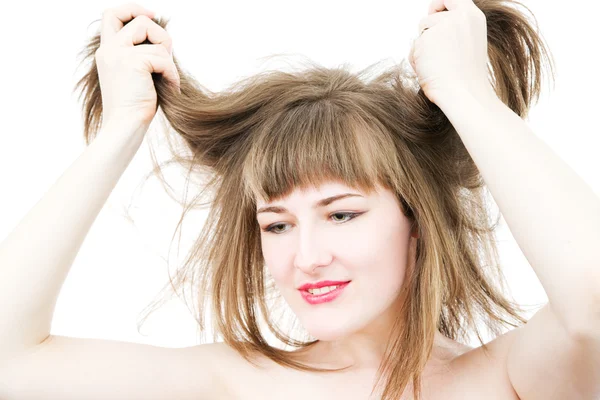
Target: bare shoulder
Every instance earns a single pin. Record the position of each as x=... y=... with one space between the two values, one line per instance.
x=238 y=378
x=493 y=356
x=483 y=372
x=469 y=373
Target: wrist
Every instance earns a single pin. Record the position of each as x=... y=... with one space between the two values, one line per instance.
x=484 y=92
x=122 y=135
x=447 y=97
x=124 y=127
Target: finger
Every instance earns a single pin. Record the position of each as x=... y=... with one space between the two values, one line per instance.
x=158 y=60
x=442 y=5
x=142 y=28
x=113 y=19
x=431 y=20
x=436 y=6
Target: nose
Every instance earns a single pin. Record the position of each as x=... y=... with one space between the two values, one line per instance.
x=312 y=253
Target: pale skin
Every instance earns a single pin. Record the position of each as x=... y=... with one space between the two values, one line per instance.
x=555 y=356
x=370 y=247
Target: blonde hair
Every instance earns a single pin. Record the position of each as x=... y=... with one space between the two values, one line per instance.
x=277 y=131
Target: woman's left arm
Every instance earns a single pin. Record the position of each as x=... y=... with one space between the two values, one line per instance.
x=555 y=218
x=552 y=213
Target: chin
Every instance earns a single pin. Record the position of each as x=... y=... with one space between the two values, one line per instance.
x=328 y=329
x=326 y=334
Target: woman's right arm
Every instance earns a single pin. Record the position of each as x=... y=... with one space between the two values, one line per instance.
x=34 y=262
x=36 y=256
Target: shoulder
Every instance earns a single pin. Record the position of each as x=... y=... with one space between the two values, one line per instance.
x=492 y=356
x=229 y=366
x=483 y=370
x=222 y=357
x=214 y=359
x=247 y=379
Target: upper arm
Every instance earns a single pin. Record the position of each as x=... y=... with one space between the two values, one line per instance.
x=545 y=362
x=80 y=369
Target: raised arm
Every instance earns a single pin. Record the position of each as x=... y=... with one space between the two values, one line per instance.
x=36 y=256
x=552 y=213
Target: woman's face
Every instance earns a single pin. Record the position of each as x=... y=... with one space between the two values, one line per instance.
x=310 y=243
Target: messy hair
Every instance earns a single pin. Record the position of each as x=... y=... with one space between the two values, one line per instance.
x=276 y=131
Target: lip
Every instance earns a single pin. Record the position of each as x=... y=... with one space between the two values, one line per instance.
x=321 y=284
x=324 y=298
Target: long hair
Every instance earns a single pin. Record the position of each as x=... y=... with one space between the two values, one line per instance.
x=276 y=131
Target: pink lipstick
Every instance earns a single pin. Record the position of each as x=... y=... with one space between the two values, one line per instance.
x=325 y=297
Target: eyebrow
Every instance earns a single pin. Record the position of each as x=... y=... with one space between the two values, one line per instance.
x=321 y=203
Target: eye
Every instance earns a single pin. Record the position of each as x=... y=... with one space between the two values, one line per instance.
x=349 y=215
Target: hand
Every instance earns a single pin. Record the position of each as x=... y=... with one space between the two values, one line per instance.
x=450 y=55
x=125 y=66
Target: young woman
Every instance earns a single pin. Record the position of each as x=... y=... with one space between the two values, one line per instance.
x=359 y=203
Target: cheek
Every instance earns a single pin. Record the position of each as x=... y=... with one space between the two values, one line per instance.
x=276 y=262
x=383 y=259
x=278 y=273
x=381 y=281
x=384 y=277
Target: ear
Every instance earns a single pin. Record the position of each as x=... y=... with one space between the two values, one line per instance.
x=415 y=232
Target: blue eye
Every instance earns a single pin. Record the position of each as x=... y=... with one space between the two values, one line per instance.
x=272 y=228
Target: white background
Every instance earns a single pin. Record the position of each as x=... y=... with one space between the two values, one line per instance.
x=121 y=266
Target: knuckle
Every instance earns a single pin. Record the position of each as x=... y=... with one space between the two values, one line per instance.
x=163 y=51
x=137 y=23
x=168 y=44
x=142 y=18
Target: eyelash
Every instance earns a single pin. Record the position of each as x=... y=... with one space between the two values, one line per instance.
x=352 y=215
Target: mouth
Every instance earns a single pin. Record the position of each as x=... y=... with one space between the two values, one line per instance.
x=323 y=295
